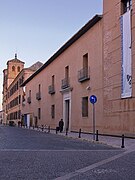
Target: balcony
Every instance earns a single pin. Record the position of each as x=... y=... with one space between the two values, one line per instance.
x=29 y=100
x=65 y=83
x=38 y=96
x=84 y=74
x=51 y=89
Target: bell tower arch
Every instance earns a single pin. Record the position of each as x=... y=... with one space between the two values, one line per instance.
x=14 y=66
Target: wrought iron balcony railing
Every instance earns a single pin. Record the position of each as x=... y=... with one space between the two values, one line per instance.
x=51 y=89
x=84 y=74
x=65 y=83
x=38 y=96
x=29 y=100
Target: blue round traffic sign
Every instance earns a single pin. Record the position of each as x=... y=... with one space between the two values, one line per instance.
x=93 y=99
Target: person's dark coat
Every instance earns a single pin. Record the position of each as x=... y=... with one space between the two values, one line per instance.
x=61 y=124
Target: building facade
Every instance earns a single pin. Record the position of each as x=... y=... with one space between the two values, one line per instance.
x=98 y=59
x=66 y=80
x=119 y=67
x=13 y=95
x=14 y=66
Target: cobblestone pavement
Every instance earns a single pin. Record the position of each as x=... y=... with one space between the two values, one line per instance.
x=31 y=154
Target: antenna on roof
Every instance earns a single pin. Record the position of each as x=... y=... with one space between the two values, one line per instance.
x=15 y=55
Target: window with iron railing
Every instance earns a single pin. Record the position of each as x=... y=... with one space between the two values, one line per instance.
x=84 y=74
x=38 y=94
x=65 y=83
x=29 y=100
x=51 y=88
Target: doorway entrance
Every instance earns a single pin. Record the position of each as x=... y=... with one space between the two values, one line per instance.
x=67 y=113
x=67 y=110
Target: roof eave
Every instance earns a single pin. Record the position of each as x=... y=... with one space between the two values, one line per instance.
x=74 y=38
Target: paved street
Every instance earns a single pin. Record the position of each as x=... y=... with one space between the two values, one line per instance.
x=29 y=154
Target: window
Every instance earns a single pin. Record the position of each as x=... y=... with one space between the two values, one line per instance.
x=39 y=113
x=13 y=68
x=65 y=82
x=85 y=61
x=23 y=97
x=67 y=72
x=19 y=99
x=85 y=67
x=30 y=93
x=39 y=88
x=29 y=98
x=53 y=80
x=85 y=107
x=51 y=89
x=38 y=94
x=84 y=74
x=18 y=68
x=126 y=5
x=53 y=111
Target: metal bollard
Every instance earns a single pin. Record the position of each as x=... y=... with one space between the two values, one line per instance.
x=96 y=135
x=122 y=146
x=42 y=127
x=48 y=129
x=79 y=133
x=66 y=131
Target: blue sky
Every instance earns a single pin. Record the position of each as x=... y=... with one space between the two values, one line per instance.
x=36 y=29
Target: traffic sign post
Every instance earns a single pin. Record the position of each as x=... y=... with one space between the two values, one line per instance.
x=94 y=122
x=93 y=100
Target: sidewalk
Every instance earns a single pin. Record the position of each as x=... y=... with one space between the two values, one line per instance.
x=129 y=143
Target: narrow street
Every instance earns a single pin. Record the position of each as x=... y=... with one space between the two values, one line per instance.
x=29 y=154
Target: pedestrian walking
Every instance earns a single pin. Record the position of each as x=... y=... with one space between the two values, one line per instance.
x=61 y=124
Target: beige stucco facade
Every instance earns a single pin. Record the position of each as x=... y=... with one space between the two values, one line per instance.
x=90 y=43
x=100 y=44
x=90 y=63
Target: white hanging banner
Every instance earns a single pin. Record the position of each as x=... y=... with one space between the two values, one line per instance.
x=126 y=84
